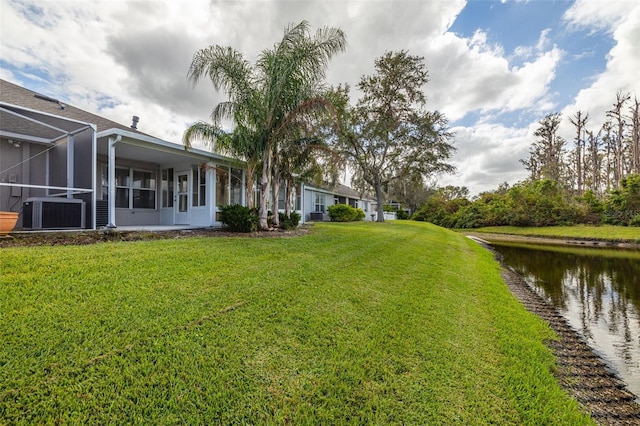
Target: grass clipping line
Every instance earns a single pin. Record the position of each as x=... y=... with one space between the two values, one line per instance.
x=188 y=326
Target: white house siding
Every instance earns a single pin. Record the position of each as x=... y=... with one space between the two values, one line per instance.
x=137 y=217
x=306 y=204
x=309 y=203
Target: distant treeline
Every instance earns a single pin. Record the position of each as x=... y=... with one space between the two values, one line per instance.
x=600 y=158
x=542 y=202
x=596 y=182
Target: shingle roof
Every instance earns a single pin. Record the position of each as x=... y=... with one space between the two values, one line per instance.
x=16 y=95
x=340 y=189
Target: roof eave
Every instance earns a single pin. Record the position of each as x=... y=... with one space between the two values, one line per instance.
x=162 y=143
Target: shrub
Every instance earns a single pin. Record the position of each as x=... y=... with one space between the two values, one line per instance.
x=434 y=211
x=344 y=213
x=635 y=220
x=623 y=204
x=237 y=218
x=401 y=214
x=289 y=222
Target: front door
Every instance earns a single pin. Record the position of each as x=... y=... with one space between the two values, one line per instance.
x=182 y=198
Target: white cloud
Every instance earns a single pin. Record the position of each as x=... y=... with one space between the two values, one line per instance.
x=124 y=58
x=488 y=154
x=597 y=15
x=472 y=75
x=623 y=61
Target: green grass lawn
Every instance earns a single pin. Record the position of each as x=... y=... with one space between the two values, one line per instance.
x=602 y=232
x=395 y=323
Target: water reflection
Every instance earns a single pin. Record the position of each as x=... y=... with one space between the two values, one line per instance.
x=597 y=290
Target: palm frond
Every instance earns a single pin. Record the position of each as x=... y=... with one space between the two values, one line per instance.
x=209 y=134
x=227 y=69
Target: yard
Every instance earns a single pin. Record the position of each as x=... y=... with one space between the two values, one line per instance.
x=363 y=323
x=611 y=233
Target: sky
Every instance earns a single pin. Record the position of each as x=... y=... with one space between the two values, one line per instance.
x=496 y=68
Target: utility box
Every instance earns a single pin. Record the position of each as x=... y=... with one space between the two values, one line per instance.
x=53 y=213
x=316 y=216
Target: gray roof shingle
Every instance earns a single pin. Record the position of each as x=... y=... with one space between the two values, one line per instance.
x=16 y=95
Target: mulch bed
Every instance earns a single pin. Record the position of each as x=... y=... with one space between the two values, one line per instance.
x=30 y=239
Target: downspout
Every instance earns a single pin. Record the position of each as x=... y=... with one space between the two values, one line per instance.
x=302 y=204
x=112 y=180
x=94 y=175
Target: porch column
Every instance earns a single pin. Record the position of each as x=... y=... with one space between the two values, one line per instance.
x=70 y=165
x=302 y=206
x=211 y=191
x=214 y=192
x=94 y=175
x=112 y=180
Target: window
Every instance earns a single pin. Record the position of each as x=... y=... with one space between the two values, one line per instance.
x=144 y=189
x=122 y=188
x=167 y=187
x=281 y=198
x=199 y=185
x=222 y=186
x=134 y=188
x=104 y=182
x=294 y=200
x=320 y=203
x=236 y=186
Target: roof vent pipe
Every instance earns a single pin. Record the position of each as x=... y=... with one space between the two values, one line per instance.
x=134 y=123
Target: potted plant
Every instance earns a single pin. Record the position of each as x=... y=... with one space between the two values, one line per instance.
x=7 y=221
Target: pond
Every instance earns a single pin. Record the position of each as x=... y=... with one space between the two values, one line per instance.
x=596 y=290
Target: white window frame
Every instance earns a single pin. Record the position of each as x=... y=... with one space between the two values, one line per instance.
x=130 y=186
x=322 y=204
x=198 y=186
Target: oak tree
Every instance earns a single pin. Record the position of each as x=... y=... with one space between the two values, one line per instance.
x=389 y=133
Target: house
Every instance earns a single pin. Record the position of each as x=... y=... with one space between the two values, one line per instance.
x=63 y=167
x=317 y=199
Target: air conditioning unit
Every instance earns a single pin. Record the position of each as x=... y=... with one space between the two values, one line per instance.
x=316 y=216
x=102 y=213
x=53 y=213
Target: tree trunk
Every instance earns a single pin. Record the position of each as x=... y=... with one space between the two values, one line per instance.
x=579 y=121
x=287 y=197
x=275 y=195
x=609 y=154
x=265 y=185
x=618 y=149
x=635 y=136
x=275 y=189
x=595 y=162
x=379 y=198
x=250 y=183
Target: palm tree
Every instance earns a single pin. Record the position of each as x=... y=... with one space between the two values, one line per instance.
x=266 y=99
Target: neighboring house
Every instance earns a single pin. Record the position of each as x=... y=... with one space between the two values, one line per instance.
x=63 y=167
x=316 y=200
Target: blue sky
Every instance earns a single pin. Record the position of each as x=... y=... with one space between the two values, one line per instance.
x=496 y=67
x=513 y=25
